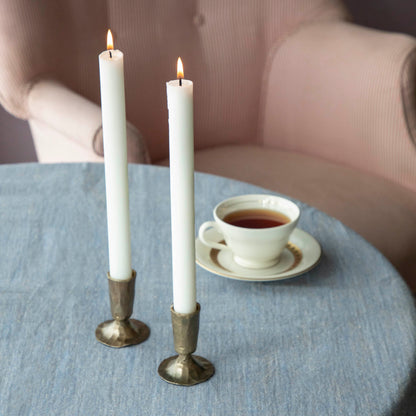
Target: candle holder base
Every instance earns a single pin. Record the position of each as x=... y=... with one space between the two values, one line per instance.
x=117 y=334
x=122 y=331
x=185 y=369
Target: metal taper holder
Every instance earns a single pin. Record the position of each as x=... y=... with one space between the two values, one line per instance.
x=185 y=369
x=122 y=331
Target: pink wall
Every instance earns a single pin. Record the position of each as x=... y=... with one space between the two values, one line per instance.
x=16 y=143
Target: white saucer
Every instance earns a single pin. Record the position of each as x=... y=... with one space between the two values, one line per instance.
x=301 y=254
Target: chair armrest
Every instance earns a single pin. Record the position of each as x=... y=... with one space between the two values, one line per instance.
x=347 y=94
x=78 y=119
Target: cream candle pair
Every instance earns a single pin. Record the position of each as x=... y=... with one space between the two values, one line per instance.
x=181 y=148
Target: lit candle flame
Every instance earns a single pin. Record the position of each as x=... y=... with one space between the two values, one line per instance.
x=110 y=44
x=179 y=70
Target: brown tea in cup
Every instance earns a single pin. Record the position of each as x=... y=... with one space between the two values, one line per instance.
x=256 y=218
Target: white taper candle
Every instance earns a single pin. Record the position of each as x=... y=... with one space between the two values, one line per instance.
x=115 y=159
x=181 y=156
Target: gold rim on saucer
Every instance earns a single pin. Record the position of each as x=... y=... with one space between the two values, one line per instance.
x=295 y=250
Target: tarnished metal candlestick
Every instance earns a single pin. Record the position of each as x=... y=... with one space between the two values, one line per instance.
x=122 y=331
x=185 y=369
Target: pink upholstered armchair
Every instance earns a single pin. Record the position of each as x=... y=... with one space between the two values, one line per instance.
x=288 y=95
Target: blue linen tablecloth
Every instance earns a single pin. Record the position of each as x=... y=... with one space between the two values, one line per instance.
x=338 y=340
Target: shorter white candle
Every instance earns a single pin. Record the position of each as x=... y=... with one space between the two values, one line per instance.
x=115 y=158
x=181 y=157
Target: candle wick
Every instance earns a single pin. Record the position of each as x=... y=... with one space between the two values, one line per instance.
x=180 y=82
x=110 y=54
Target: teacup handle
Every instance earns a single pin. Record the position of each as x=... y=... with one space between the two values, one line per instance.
x=201 y=235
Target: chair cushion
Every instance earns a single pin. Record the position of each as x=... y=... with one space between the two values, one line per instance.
x=380 y=211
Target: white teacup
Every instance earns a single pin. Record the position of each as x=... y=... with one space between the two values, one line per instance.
x=256 y=247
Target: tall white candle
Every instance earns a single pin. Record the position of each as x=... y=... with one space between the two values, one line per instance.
x=181 y=156
x=115 y=159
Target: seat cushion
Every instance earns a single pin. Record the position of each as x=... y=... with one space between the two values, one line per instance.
x=380 y=211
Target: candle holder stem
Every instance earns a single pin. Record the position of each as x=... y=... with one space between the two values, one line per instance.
x=122 y=331
x=185 y=369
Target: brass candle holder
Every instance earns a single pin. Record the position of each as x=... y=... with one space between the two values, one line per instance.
x=122 y=331
x=185 y=369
